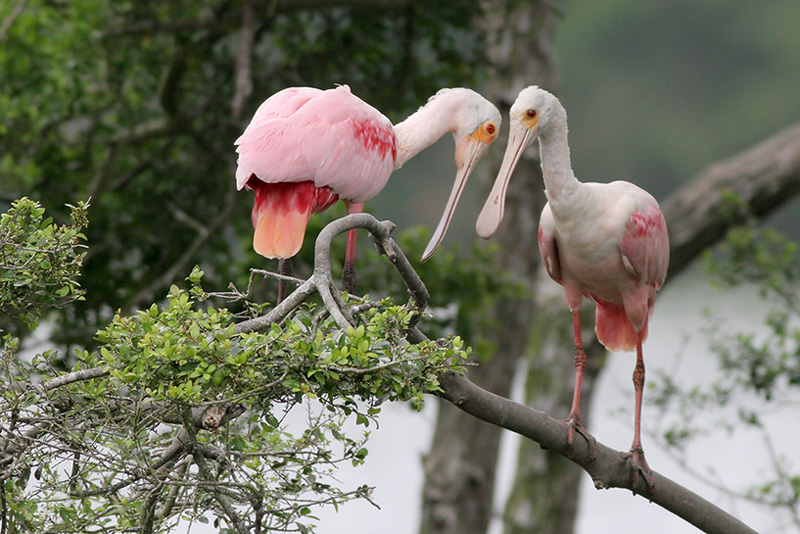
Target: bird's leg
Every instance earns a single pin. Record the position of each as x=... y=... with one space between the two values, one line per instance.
x=349 y=271
x=284 y=268
x=639 y=464
x=574 y=419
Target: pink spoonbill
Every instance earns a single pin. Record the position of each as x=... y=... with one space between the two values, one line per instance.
x=604 y=241
x=305 y=148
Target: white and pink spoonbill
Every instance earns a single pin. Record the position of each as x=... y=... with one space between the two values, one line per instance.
x=607 y=242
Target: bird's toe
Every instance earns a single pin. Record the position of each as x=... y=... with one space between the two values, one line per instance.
x=639 y=468
x=574 y=425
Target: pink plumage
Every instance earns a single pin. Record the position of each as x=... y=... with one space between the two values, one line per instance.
x=613 y=249
x=301 y=135
x=305 y=148
x=605 y=242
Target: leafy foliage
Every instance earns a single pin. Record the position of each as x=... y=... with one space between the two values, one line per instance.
x=179 y=415
x=39 y=261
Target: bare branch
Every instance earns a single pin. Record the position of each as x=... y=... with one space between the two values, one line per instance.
x=609 y=470
x=202 y=467
x=764 y=177
x=279 y=312
x=75 y=376
x=380 y=232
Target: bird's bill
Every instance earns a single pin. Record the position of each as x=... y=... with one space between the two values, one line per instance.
x=468 y=153
x=492 y=213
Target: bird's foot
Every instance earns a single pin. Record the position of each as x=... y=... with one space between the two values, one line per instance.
x=639 y=467
x=574 y=425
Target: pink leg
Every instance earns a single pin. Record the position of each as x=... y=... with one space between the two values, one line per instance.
x=637 y=453
x=574 y=419
x=349 y=271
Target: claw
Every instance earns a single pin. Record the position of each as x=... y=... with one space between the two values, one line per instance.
x=573 y=423
x=639 y=467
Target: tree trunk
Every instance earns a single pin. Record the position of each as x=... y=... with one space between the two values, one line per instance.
x=460 y=468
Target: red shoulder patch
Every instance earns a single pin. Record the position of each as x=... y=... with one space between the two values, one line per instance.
x=646 y=222
x=376 y=137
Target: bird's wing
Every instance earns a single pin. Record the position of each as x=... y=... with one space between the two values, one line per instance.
x=269 y=136
x=548 y=247
x=331 y=137
x=645 y=244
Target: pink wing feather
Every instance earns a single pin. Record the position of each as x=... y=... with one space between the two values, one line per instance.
x=547 y=244
x=332 y=138
x=645 y=245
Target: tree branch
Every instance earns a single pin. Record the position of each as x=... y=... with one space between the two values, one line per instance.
x=763 y=177
x=609 y=470
x=205 y=473
x=5 y=26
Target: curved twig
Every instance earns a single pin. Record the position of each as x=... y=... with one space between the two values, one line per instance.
x=380 y=232
x=279 y=312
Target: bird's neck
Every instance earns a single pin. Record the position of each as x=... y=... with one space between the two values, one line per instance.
x=559 y=180
x=420 y=130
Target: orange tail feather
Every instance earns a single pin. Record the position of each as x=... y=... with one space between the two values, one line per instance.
x=614 y=330
x=281 y=212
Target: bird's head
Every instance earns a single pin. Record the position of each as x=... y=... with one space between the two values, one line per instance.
x=533 y=114
x=475 y=123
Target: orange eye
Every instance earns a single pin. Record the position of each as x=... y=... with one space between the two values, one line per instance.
x=490 y=128
x=531 y=113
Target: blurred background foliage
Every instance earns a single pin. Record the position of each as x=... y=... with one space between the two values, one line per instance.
x=656 y=91
x=132 y=104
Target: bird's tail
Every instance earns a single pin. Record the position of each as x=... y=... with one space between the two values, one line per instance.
x=281 y=212
x=614 y=330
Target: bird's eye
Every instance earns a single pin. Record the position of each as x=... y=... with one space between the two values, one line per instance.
x=490 y=128
x=531 y=113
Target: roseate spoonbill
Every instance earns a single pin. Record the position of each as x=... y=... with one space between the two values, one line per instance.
x=607 y=242
x=305 y=148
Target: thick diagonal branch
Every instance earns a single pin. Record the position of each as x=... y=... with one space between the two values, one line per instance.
x=762 y=178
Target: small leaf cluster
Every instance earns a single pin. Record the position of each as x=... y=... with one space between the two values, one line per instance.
x=174 y=352
x=756 y=255
x=765 y=258
x=767 y=366
x=40 y=260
